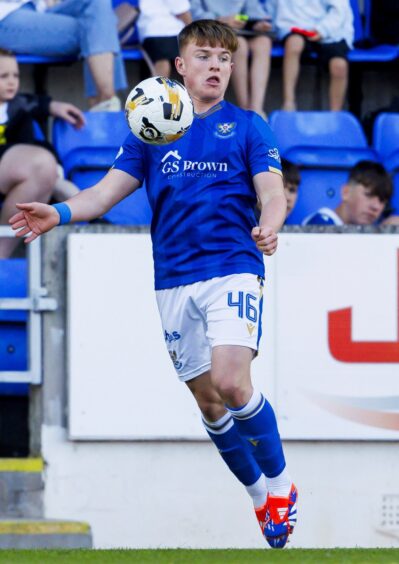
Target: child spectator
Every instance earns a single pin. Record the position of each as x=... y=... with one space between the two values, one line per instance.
x=159 y=24
x=321 y=26
x=28 y=168
x=251 y=23
x=364 y=197
x=70 y=27
x=291 y=180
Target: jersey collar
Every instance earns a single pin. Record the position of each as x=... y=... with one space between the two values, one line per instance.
x=212 y=110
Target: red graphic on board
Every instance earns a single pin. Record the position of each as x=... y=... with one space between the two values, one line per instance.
x=343 y=348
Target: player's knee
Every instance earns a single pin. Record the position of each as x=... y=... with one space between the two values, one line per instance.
x=338 y=68
x=233 y=393
x=212 y=411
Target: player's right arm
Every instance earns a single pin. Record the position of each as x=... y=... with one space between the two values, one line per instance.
x=34 y=218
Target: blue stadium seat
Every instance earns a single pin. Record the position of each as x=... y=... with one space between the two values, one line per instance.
x=26 y=58
x=386 y=144
x=13 y=331
x=325 y=145
x=87 y=155
x=377 y=53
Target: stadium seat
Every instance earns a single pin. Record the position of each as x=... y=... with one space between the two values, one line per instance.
x=374 y=53
x=386 y=144
x=325 y=145
x=13 y=329
x=87 y=155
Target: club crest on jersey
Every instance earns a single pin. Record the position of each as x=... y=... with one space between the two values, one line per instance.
x=225 y=130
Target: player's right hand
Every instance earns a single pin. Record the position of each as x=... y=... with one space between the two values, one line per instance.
x=33 y=220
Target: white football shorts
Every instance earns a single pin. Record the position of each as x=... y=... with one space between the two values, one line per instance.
x=221 y=311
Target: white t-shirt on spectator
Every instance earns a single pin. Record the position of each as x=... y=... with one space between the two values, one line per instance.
x=157 y=18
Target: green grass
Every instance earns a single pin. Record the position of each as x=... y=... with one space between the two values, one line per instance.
x=183 y=556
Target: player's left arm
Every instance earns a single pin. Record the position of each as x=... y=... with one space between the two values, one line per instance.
x=270 y=191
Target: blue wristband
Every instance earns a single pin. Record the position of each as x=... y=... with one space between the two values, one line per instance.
x=64 y=212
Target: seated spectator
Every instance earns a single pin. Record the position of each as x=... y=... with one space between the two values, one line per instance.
x=252 y=59
x=363 y=198
x=325 y=27
x=28 y=168
x=159 y=24
x=70 y=27
x=291 y=181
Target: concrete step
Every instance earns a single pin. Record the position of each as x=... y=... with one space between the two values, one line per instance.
x=31 y=533
x=21 y=488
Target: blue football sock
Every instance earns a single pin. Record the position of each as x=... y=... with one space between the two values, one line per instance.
x=256 y=423
x=234 y=451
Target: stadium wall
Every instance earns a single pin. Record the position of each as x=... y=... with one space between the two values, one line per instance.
x=172 y=490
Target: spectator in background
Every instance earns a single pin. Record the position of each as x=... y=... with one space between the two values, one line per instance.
x=251 y=23
x=159 y=24
x=364 y=197
x=321 y=26
x=70 y=27
x=28 y=168
x=291 y=181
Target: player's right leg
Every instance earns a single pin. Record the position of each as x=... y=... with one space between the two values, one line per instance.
x=184 y=330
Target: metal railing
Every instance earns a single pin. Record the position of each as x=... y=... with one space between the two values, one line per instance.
x=34 y=303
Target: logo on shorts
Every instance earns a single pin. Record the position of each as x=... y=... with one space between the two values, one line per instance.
x=177 y=364
x=173 y=336
x=225 y=130
x=250 y=328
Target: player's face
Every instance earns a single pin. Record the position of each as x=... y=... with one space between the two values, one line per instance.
x=206 y=71
x=363 y=208
x=291 y=193
x=9 y=78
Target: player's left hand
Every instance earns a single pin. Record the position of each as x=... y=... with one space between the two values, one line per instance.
x=67 y=112
x=265 y=238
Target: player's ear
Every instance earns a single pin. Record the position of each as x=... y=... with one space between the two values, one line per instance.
x=180 y=66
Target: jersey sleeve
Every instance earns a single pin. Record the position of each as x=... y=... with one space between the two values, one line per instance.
x=130 y=158
x=263 y=153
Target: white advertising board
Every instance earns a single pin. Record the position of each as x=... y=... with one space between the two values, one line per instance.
x=337 y=347
x=329 y=357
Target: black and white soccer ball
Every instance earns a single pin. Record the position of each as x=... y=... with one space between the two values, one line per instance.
x=159 y=110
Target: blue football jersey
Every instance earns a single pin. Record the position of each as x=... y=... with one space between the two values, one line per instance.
x=202 y=196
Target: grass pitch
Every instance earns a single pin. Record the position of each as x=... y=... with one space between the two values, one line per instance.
x=185 y=556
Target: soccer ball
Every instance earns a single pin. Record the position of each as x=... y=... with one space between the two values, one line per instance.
x=159 y=110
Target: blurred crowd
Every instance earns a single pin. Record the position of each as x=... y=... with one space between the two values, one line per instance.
x=94 y=30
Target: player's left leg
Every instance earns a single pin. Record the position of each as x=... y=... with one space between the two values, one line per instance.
x=220 y=427
x=256 y=424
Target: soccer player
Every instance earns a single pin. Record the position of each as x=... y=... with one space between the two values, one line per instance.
x=208 y=260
